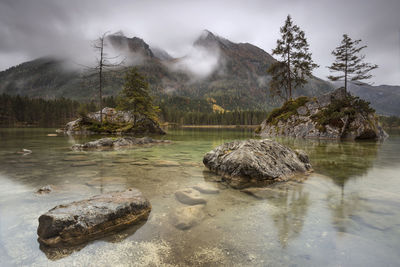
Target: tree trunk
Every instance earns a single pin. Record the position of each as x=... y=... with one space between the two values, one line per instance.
x=100 y=81
x=345 y=73
x=289 y=78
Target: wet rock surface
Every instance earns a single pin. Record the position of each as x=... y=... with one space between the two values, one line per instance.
x=81 y=221
x=348 y=122
x=256 y=162
x=117 y=143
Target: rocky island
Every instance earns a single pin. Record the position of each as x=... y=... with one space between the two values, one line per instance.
x=256 y=162
x=335 y=115
x=114 y=122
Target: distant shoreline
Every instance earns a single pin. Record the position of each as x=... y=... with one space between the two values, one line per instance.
x=220 y=126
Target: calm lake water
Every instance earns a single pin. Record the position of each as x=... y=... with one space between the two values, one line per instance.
x=347 y=213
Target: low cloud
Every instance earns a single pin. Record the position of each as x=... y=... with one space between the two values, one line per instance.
x=32 y=29
x=199 y=63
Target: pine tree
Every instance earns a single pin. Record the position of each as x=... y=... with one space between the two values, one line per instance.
x=135 y=96
x=296 y=63
x=349 y=62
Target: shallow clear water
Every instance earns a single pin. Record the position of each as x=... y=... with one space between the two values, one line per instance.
x=347 y=213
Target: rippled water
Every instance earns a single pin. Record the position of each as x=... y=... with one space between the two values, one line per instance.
x=347 y=213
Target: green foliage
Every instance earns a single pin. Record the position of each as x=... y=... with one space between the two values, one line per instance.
x=105 y=127
x=135 y=96
x=25 y=111
x=288 y=109
x=349 y=63
x=338 y=109
x=83 y=111
x=296 y=64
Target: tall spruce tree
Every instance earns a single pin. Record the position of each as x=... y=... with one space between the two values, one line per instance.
x=135 y=96
x=349 y=62
x=295 y=63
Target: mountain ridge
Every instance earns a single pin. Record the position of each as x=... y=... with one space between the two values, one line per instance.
x=233 y=74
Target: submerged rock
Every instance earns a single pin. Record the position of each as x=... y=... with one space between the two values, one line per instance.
x=81 y=221
x=186 y=217
x=206 y=189
x=166 y=163
x=116 y=143
x=115 y=122
x=335 y=115
x=189 y=196
x=256 y=162
x=262 y=192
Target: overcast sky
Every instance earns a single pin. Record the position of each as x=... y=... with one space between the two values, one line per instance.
x=34 y=28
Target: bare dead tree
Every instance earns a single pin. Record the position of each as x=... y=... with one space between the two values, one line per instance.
x=103 y=62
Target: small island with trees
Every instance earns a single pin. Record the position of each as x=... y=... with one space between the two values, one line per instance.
x=335 y=115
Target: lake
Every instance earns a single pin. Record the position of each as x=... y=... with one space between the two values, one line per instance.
x=346 y=213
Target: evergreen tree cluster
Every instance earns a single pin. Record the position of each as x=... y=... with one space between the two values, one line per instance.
x=24 y=111
x=135 y=96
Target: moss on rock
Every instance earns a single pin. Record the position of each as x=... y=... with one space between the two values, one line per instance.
x=287 y=110
x=339 y=109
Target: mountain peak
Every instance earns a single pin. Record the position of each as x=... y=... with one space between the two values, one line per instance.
x=133 y=45
x=207 y=39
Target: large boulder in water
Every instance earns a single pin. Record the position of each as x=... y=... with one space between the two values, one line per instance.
x=78 y=222
x=336 y=115
x=117 y=143
x=114 y=122
x=256 y=162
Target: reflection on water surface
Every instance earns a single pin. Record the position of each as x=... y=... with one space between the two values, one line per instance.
x=346 y=213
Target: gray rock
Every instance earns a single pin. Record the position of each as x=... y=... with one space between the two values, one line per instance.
x=312 y=106
x=121 y=142
x=302 y=110
x=81 y=221
x=206 y=189
x=255 y=162
x=364 y=127
x=324 y=100
x=186 y=217
x=189 y=196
